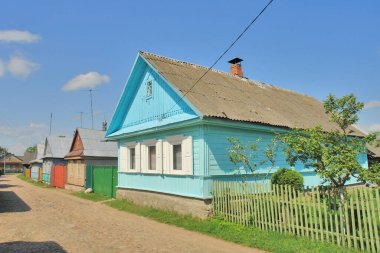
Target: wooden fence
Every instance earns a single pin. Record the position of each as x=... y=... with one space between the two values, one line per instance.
x=314 y=213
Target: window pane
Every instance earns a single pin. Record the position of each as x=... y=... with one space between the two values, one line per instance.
x=152 y=157
x=132 y=161
x=177 y=157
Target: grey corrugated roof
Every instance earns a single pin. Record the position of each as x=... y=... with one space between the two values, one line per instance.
x=222 y=95
x=57 y=146
x=95 y=145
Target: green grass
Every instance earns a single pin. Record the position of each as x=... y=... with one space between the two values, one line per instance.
x=248 y=236
x=33 y=182
x=90 y=196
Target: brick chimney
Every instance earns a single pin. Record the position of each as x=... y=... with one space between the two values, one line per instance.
x=235 y=68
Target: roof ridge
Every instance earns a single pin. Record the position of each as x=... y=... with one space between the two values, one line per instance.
x=254 y=82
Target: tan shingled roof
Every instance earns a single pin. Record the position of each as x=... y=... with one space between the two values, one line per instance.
x=222 y=95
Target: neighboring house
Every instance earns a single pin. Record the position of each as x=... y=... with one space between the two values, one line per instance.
x=28 y=156
x=11 y=163
x=55 y=149
x=373 y=152
x=175 y=144
x=88 y=148
x=36 y=164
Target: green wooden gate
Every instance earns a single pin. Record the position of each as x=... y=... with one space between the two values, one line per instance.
x=105 y=180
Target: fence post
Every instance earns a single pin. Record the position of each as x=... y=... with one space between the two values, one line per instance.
x=369 y=219
x=374 y=218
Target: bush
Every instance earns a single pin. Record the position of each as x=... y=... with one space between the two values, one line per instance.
x=288 y=177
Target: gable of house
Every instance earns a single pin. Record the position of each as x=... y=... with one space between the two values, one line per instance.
x=148 y=101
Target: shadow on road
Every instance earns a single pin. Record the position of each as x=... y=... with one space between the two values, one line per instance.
x=7 y=185
x=10 y=202
x=31 y=247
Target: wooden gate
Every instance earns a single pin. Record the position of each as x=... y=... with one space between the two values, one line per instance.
x=105 y=180
x=58 y=176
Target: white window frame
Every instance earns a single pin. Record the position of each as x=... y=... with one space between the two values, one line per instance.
x=145 y=156
x=149 y=82
x=186 y=143
x=125 y=157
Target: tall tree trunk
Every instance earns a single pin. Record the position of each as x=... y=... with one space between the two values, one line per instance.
x=342 y=201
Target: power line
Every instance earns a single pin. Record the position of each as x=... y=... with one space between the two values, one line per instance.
x=221 y=56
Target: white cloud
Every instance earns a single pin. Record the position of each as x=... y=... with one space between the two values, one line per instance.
x=21 y=67
x=372 y=104
x=2 y=68
x=374 y=128
x=18 y=36
x=86 y=81
x=37 y=125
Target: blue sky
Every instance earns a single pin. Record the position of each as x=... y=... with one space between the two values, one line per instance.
x=312 y=47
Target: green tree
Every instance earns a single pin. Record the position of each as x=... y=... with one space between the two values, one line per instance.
x=3 y=151
x=334 y=154
x=250 y=156
x=31 y=149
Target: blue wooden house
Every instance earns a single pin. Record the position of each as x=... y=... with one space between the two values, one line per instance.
x=172 y=146
x=55 y=149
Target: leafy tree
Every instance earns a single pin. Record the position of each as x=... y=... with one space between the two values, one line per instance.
x=332 y=153
x=249 y=157
x=3 y=151
x=288 y=177
x=31 y=149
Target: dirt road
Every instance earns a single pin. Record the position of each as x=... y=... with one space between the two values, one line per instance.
x=34 y=219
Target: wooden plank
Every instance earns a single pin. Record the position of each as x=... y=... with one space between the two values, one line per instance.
x=291 y=210
x=282 y=209
x=354 y=232
x=365 y=221
x=360 y=226
x=315 y=219
x=374 y=218
x=325 y=214
x=347 y=228
x=279 y=213
x=295 y=197
x=311 y=218
x=338 y=238
x=320 y=215
x=341 y=223
x=369 y=219
x=305 y=210
x=270 y=198
x=301 y=208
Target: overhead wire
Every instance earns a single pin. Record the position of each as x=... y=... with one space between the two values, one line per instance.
x=221 y=56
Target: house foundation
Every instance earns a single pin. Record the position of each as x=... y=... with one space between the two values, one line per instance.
x=72 y=187
x=200 y=208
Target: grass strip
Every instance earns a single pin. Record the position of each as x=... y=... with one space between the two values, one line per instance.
x=90 y=196
x=33 y=182
x=248 y=236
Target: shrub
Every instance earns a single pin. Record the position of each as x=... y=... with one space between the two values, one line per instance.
x=288 y=177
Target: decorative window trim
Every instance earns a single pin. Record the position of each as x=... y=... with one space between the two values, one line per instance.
x=71 y=170
x=186 y=143
x=145 y=156
x=125 y=157
x=79 y=168
x=149 y=91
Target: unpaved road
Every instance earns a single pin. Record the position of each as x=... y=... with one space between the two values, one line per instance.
x=34 y=219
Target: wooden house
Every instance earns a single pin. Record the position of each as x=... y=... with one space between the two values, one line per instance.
x=36 y=164
x=172 y=134
x=11 y=164
x=55 y=149
x=88 y=148
x=27 y=157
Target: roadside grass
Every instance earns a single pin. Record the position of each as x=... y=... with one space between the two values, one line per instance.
x=248 y=236
x=90 y=196
x=31 y=181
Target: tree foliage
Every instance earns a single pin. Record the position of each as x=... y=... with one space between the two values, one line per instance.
x=333 y=154
x=31 y=149
x=249 y=157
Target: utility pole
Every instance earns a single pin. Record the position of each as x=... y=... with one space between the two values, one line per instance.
x=51 y=119
x=5 y=153
x=92 y=112
x=81 y=119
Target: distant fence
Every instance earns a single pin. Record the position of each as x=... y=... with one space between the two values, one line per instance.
x=314 y=213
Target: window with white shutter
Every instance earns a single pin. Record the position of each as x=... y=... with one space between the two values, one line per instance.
x=178 y=155
x=130 y=157
x=151 y=156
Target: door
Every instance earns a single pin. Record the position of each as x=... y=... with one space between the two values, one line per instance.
x=105 y=180
x=59 y=176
